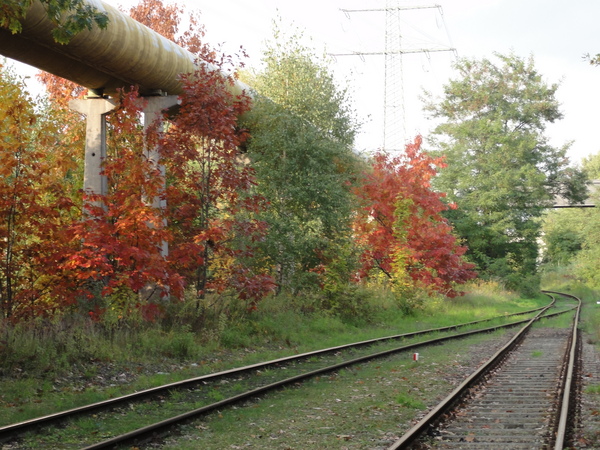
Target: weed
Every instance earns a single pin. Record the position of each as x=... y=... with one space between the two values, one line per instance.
x=183 y=344
x=216 y=395
x=593 y=389
x=408 y=401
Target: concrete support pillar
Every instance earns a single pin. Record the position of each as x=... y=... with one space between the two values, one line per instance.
x=95 y=110
x=153 y=109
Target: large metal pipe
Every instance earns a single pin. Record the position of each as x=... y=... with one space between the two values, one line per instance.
x=125 y=53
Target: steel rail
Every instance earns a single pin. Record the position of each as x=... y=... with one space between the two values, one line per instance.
x=146 y=433
x=8 y=432
x=425 y=423
x=561 y=431
x=142 y=435
x=436 y=413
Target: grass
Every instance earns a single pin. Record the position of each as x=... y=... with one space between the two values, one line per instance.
x=591 y=323
x=368 y=406
x=593 y=389
x=409 y=400
x=561 y=321
x=563 y=280
x=49 y=366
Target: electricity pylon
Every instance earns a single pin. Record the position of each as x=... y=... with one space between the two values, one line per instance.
x=394 y=114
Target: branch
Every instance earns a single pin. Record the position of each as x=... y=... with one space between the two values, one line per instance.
x=69 y=16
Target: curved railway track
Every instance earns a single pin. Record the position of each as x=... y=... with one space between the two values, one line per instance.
x=520 y=398
x=329 y=360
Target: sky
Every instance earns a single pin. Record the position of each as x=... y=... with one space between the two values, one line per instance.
x=556 y=33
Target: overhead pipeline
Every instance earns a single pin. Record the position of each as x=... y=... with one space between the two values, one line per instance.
x=125 y=53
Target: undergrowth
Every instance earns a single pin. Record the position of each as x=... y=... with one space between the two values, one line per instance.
x=52 y=365
x=193 y=330
x=562 y=279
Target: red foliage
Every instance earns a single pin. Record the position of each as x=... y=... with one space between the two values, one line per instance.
x=164 y=19
x=402 y=216
x=121 y=234
x=117 y=243
x=251 y=287
x=209 y=186
x=59 y=90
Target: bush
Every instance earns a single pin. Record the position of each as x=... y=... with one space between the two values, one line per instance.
x=351 y=303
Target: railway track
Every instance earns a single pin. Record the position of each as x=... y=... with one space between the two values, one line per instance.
x=302 y=367
x=519 y=399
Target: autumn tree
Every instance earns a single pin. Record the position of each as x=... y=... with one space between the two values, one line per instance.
x=404 y=236
x=205 y=192
x=35 y=207
x=107 y=260
x=208 y=189
x=119 y=238
x=164 y=19
x=116 y=249
x=501 y=172
x=302 y=131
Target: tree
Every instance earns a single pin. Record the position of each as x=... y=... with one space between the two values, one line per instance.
x=302 y=131
x=207 y=185
x=586 y=226
x=35 y=204
x=594 y=60
x=164 y=19
x=117 y=243
x=401 y=227
x=117 y=248
x=571 y=235
x=208 y=189
x=564 y=229
x=69 y=16
x=502 y=172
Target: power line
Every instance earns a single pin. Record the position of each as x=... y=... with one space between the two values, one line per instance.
x=394 y=114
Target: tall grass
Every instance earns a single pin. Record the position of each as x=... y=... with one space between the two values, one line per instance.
x=562 y=279
x=191 y=330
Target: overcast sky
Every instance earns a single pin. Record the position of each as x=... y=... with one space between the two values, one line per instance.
x=556 y=33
